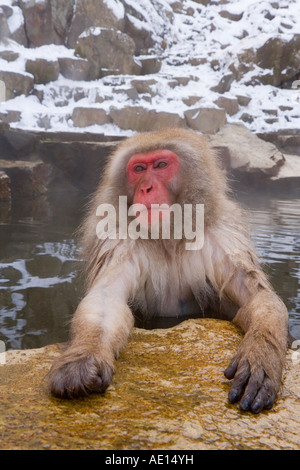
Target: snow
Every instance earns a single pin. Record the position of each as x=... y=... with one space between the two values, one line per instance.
x=116 y=7
x=202 y=34
x=16 y=20
x=93 y=30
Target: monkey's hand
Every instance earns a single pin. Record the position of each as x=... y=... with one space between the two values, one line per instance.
x=256 y=371
x=73 y=376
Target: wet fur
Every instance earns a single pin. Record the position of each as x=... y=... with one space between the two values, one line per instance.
x=155 y=276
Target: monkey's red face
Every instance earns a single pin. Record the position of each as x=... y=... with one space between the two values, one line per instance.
x=151 y=175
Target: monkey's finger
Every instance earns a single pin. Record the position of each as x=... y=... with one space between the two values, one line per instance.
x=232 y=368
x=104 y=379
x=254 y=385
x=240 y=380
x=265 y=397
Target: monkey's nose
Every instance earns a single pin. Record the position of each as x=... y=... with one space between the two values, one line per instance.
x=146 y=189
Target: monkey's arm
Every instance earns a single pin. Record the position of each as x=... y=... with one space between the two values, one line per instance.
x=256 y=369
x=100 y=329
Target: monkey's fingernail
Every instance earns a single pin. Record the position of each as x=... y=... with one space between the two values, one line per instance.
x=257 y=406
x=233 y=395
x=245 y=404
x=269 y=404
x=229 y=372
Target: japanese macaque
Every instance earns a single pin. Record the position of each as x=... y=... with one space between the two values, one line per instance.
x=157 y=276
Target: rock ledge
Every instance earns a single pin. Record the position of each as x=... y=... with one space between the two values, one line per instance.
x=168 y=392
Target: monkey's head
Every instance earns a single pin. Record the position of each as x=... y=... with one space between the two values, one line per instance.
x=163 y=168
x=153 y=177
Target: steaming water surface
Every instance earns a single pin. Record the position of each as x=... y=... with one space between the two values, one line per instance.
x=39 y=281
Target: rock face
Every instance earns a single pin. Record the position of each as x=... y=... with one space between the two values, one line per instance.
x=16 y=83
x=175 y=380
x=230 y=105
x=84 y=117
x=5 y=192
x=75 y=69
x=27 y=178
x=38 y=21
x=248 y=153
x=4 y=29
x=143 y=120
x=279 y=59
x=43 y=70
x=206 y=120
x=78 y=163
x=109 y=52
x=89 y=13
x=125 y=39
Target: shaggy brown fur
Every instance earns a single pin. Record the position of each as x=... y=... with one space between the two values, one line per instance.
x=157 y=276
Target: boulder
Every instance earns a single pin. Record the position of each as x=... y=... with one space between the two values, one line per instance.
x=168 y=392
x=17 y=26
x=2 y=91
x=144 y=86
x=16 y=83
x=4 y=29
x=224 y=84
x=150 y=64
x=43 y=70
x=131 y=93
x=109 y=52
x=38 y=22
x=18 y=144
x=205 y=120
x=5 y=192
x=140 y=119
x=288 y=143
x=27 y=178
x=74 y=69
x=243 y=100
x=191 y=100
x=84 y=117
x=230 y=15
x=282 y=57
x=248 y=153
x=8 y=55
x=279 y=58
x=10 y=116
x=149 y=26
x=101 y=13
x=289 y=172
x=77 y=163
x=230 y=105
x=141 y=35
x=7 y=10
x=62 y=15
x=5 y=214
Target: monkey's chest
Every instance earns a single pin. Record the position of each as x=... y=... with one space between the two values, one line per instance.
x=171 y=298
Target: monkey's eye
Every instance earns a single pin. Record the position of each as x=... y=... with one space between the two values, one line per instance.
x=162 y=165
x=139 y=168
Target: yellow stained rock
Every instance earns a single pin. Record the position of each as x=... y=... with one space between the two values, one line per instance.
x=168 y=392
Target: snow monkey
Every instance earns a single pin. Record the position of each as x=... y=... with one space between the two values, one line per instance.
x=158 y=276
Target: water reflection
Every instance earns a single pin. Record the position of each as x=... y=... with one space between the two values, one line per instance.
x=275 y=224
x=39 y=282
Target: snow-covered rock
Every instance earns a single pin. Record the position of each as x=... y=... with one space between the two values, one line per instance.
x=109 y=52
x=196 y=55
x=16 y=83
x=247 y=152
